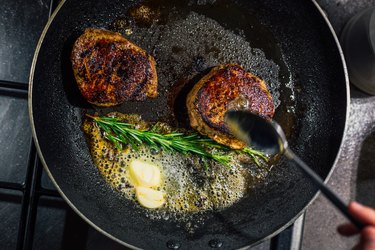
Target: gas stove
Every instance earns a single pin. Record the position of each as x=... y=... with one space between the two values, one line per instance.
x=33 y=214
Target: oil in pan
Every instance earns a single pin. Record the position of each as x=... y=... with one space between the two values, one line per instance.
x=191 y=39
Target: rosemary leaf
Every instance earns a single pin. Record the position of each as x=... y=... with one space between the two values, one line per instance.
x=121 y=133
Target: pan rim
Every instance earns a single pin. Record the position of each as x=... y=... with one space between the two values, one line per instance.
x=31 y=117
x=87 y=220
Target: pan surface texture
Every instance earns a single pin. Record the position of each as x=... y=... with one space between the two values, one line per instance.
x=286 y=42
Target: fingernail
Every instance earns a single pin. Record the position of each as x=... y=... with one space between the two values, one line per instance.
x=356 y=205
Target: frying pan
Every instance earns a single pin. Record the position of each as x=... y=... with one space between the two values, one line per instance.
x=289 y=43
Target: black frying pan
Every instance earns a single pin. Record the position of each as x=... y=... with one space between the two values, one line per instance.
x=292 y=47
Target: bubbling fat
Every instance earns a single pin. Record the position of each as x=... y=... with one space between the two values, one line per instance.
x=188 y=187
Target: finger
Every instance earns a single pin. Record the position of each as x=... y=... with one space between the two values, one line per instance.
x=368 y=247
x=362 y=213
x=347 y=229
x=368 y=238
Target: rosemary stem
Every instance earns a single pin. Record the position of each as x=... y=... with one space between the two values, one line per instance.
x=120 y=133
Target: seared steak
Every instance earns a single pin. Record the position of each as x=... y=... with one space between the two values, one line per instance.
x=110 y=70
x=226 y=87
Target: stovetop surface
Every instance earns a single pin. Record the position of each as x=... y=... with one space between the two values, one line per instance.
x=33 y=215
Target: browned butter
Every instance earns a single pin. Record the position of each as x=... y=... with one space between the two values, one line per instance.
x=188 y=187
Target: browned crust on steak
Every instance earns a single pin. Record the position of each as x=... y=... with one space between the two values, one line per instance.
x=213 y=95
x=110 y=70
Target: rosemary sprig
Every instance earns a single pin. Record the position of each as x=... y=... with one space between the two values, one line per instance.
x=120 y=133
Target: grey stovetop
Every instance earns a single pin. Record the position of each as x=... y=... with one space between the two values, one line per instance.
x=354 y=174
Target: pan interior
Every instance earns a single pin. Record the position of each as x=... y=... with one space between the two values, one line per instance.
x=303 y=70
x=187 y=41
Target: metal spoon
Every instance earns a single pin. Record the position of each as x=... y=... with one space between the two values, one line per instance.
x=269 y=137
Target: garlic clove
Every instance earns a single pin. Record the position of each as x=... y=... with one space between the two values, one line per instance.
x=149 y=198
x=144 y=174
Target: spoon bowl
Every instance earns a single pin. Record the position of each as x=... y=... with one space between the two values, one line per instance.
x=262 y=134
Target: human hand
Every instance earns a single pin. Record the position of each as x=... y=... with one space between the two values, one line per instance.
x=365 y=215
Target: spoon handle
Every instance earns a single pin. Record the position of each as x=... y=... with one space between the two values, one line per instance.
x=324 y=188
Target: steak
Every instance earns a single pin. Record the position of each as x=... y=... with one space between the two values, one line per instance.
x=109 y=69
x=226 y=87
